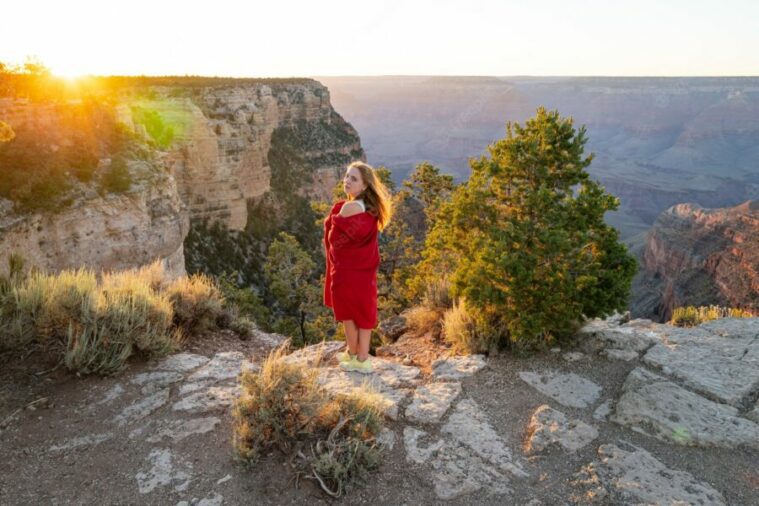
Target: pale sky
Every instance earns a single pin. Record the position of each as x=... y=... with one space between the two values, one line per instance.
x=352 y=37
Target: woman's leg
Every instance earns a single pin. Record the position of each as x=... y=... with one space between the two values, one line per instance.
x=364 y=338
x=351 y=336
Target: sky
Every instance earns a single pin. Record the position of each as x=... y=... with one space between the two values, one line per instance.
x=409 y=37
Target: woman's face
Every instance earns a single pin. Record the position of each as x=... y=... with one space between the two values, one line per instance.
x=353 y=183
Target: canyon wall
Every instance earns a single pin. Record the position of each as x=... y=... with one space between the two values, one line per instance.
x=211 y=148
x=697 y=256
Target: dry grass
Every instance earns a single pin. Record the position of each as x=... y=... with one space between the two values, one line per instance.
x=461 y=330
x=96 y=325
x=691 y=316
x=331 y=439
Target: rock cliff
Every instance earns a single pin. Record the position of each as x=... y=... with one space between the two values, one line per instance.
x=698 y=256
x=212 y=148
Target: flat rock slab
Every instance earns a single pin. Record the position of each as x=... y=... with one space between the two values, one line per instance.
x=154 y=381
x=182 y=362
x=653 y=405
x=636 y=335
x=470 y=457
x=614 y=354
x=636 y=477
x=432 y=401
x=316 y=354
x=723 y=369
x=223 y=366
x=456 y=368
x=176 y=430
x=573 y=356
x=165 y=469
x=568 y=389
x=207 y=400
x=733 y=327
x=551 y=428
x=142 y=408
x=390 y=396
x=81 y=441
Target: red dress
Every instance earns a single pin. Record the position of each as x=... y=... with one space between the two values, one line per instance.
x=352 y=253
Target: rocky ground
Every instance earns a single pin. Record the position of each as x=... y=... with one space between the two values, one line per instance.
x=637 y=413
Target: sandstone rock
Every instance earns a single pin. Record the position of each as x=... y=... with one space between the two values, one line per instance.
x=471 y=455
x=142 y=408
x=652 y=405
x=733 y=328
x=754 y=414
x=316 y=354
x=636 y=477
x=602 y=411
x=207 y=400
x=626 y=355
x=111 y=395
x=392 y=328
x=635 y=335
x=431 y=402
x=456 y=368
x=223 y=366
x=182 y=362
x=469 y=426
x=389 y=394
x=386 y=439
x=77 y=442
x=165 y=469
x=568 y=389
x=176 y=430
x=549 y=427
x=723 y=369
x=153 y=381
x=573 y=356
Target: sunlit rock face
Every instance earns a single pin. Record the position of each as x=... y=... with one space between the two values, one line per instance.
x=109 y=232
x=697 y=256
x=216 y=149
x=223 y=136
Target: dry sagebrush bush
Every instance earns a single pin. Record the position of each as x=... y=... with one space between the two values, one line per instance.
x=462 y=331
x=284 y=406
x=197 y=303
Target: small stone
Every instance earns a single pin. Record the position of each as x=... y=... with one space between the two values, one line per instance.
x=602 y=411
x=549 y=427
x=574 y=356
x=386 y=439
x=456 y=368
x=163 y=471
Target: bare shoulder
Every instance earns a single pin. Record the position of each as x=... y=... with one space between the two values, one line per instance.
x=351 y=208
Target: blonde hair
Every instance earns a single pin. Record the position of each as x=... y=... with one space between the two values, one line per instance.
x=376 y=197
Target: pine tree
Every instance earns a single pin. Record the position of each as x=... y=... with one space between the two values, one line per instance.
x=524 y=241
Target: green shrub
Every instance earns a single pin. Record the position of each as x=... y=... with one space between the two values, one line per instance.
x=524 y=240
x=283 y=406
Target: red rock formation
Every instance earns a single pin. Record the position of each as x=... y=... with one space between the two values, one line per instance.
x=697 y=256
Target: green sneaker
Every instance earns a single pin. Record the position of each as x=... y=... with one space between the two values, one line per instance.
x=355 y=365
x=344 y=356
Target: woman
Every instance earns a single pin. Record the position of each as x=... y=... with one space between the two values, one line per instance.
x=352 y=251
